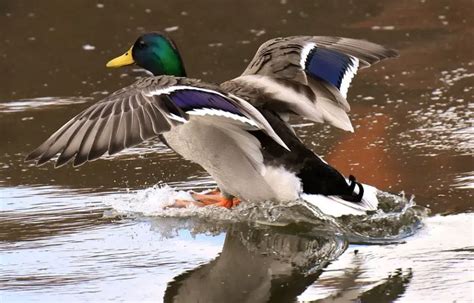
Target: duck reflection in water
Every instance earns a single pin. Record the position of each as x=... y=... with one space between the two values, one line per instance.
x=269 y=265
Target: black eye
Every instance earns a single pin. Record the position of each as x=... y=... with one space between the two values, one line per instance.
x=141 y=43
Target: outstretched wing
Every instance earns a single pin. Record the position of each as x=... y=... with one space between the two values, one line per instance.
x=141 y=111
x=309 y=76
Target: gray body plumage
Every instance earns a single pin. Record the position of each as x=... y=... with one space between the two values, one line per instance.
x=233 y=158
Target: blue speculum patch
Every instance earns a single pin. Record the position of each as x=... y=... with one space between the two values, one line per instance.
x=194 y=99
x=328 y=65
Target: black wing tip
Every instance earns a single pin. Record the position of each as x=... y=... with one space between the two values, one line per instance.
x=30 y=157
x=114 y=149
x=63 y=160
x=78 y=162
x=59 y=165
x=81 y=159
x=38 y=161
x=391 y=53
x=36 y=156
x=94 y=155
x=381 y=55
x=41 y=160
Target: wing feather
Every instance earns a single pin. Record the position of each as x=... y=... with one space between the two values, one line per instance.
x=146 y=109
x=102 y=139
x=73 y=144
x=117 y=140
x=324 y=65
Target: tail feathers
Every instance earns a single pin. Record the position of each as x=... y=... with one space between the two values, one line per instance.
x=354 y=197
x=336 y=206
x=318 y=177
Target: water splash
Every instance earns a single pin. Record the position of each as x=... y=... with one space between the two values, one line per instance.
x=396 y=218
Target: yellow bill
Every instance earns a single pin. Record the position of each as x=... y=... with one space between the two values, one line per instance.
x=125 y=59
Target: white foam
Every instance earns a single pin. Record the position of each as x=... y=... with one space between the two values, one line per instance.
x=155 y=201
x=149 y=202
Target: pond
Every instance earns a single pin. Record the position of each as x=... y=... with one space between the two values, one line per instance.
x=99 y=232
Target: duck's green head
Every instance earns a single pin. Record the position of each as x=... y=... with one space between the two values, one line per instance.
x=154 y=52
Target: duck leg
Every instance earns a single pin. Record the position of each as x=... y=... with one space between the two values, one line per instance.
x=214 y=197
x=217 y=198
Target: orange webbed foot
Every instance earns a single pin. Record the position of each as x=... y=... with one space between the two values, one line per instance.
x=213 y=197
x=218 y=200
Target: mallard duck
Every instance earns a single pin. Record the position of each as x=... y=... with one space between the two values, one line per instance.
x=237 y=131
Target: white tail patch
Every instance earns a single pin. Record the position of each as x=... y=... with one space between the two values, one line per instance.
x=336 y=207
x=285 y=184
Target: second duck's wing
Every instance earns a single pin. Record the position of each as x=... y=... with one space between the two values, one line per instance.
x=143 y=110
x=307 y=75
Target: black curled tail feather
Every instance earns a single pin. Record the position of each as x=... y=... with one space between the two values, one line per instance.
x=351 y=197
x=352 y=179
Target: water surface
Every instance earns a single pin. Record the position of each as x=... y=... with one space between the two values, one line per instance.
x=95 y=233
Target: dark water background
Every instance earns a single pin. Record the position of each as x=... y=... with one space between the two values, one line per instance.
x=62 y=240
